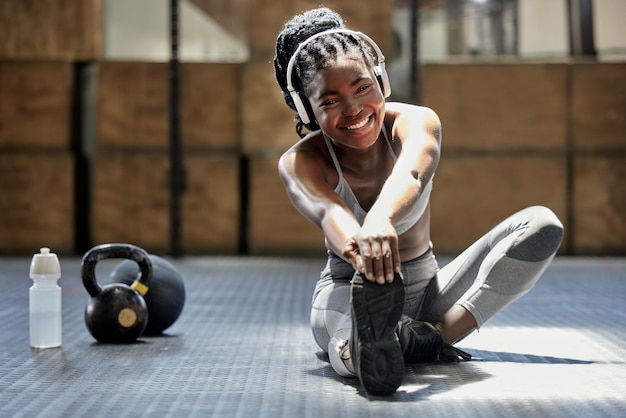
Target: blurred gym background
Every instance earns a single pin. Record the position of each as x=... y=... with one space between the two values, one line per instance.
x=159 y=123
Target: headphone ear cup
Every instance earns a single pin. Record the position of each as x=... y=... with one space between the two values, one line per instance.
x=383 y=79
x=300 y=107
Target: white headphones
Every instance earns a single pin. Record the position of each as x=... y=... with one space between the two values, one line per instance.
x=379 y=71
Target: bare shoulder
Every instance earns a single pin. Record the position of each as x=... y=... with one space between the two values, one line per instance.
x=407 y=120
x=410 y=112
x=304 y=157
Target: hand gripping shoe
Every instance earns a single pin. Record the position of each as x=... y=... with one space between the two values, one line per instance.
x=375 y=349
x=421 y=341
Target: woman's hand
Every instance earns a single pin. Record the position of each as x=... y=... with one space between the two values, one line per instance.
x=374 y=252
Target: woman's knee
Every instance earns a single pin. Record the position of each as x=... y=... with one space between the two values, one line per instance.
x=318 y=329
x=543 y=237
x=330 y=311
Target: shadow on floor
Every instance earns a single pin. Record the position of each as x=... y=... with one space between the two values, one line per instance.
x=424 y=380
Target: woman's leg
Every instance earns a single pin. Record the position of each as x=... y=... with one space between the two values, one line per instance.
x=495 y=271
x=417 y=275
x=331 y=321
x=331 y=317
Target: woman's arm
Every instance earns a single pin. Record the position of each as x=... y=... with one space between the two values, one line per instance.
x=302 y=175
x=418 y=130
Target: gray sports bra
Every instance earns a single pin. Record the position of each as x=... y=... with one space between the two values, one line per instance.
x=347 y=195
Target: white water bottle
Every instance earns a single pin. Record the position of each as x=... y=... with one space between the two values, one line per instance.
x=45 y=300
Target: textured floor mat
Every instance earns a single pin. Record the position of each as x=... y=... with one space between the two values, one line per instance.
x=243 y=348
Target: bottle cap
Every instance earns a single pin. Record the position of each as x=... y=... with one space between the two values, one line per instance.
x=45 y=262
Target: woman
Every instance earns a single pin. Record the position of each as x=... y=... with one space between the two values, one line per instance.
x=364 y=175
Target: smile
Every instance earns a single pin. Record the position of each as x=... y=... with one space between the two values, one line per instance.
x=359 y=125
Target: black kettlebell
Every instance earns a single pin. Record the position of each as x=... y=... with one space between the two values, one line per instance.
x=166 y=298
x=116 y=313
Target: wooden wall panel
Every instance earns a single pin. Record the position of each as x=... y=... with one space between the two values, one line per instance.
x=35 y=104
x=36 y=202
x=498 y=106
x=599 y=106
x=274 y=225
x=210 y=110
x=211 y=204
x=472 y=194
x=131 y=200
x=599 y=204
x=132 y=105
x=267 y=121
x=51 y=29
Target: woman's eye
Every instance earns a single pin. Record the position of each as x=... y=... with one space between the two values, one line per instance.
x=363 y=88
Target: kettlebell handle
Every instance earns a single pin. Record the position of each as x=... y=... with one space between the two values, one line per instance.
x=105 y=251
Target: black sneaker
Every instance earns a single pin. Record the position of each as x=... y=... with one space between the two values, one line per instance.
x=375 y=349
x=421 y=341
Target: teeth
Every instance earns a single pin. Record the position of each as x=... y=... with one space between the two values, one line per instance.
x=359 y=125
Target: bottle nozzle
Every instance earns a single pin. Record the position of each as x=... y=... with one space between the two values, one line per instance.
x=45 y=262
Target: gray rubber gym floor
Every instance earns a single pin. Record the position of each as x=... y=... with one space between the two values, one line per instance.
x=242 y=348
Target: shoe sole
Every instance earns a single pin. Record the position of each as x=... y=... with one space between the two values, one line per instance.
x=376 y=310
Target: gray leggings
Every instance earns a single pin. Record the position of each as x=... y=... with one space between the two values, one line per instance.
x=496 y=270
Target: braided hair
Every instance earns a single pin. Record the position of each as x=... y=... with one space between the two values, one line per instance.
x=315 y=56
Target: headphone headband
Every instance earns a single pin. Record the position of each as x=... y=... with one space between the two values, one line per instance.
x=379 y=69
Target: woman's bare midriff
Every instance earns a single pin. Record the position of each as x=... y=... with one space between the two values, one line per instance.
x=416 y=241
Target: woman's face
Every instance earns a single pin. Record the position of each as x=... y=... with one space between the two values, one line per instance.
x=347 y=102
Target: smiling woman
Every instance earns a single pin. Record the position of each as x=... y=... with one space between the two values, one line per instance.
x=364 y=174
x=346 y=103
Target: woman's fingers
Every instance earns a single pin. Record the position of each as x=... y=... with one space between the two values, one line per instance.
x=388 y=261
x=378 y=261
